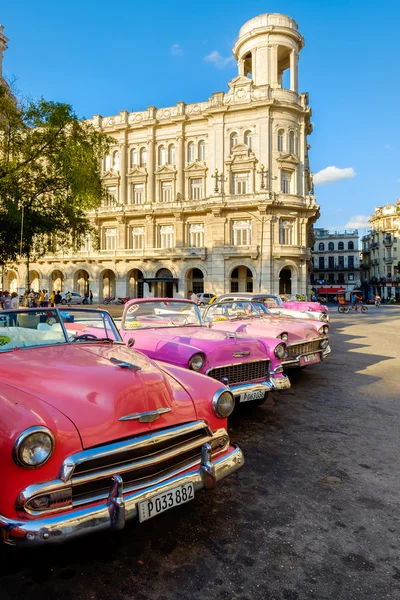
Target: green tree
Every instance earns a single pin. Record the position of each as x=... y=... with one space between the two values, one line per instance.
x=49 y=177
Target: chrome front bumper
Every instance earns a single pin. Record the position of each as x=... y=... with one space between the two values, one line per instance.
x=270 y=385
x=289 y=363
x=118 y=508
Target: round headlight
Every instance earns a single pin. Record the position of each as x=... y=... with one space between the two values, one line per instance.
x=223 y=403
x=196 y=363
x=283 y=336
x=323 y=317
x=33 y=447
x=280 y=351
x=323 y=330
x=323 y=344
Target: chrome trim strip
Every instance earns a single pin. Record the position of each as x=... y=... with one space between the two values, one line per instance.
x=146 y=417
x=70 y=525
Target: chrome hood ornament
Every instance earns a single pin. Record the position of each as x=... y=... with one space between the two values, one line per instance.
x=146 y=417
x=240 y=354
x=124 y=364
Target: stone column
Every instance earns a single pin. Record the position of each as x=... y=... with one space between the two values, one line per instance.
x=179 y=241
x=274 y=66
x=150 y=168
x=123 y=162
x=180 y=163
x=241 y=67
x=294 y=71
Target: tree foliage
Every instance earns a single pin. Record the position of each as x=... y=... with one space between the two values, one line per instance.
x=49 y=176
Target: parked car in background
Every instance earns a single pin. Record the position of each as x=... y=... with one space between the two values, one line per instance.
x=307 y=341
x=276 y=306
x=75 y=298
x=173 y=331
x=93 y=433
x=290 y=301
x=205 y=299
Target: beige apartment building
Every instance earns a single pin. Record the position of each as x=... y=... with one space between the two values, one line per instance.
x=381 y=252
x=214 y=196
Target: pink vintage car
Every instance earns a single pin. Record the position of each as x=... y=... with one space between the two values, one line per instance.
x=93 y=433
x=173 y=331
x=290 y=301
x=307 y=341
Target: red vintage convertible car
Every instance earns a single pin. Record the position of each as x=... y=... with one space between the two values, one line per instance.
x=93 y=433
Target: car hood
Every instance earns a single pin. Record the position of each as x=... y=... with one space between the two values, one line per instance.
x=84 y=384
x=218 y=346
x=270 y=327
x=301 y=305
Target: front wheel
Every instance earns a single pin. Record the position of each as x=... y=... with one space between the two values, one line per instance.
x=364 y=309
x=341 y=309
x=63 y=301
x=346 y=309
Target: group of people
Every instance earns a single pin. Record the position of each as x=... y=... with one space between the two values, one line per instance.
x=9 y=301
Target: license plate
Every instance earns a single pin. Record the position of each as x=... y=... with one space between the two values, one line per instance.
x=248 y=396
x=162 y=502
x=310 y=358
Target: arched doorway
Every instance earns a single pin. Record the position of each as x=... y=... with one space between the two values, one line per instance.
x=107 y=283
x=285 y=281
x=165 y=287
x=195 y=281
x=11 y=282
x=34 y=281
x=81 y=282
x=135 y=284
x=57 y=281
x=241 y=279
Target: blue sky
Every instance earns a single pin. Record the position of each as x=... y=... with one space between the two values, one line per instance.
x=103 y=57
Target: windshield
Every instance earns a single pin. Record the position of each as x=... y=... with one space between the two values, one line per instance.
x=272 y=302
x=288 y=298
x=51 y=326
x=161 y=313
x=228 y=311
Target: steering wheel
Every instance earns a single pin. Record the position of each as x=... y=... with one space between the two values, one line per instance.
x=85 y=336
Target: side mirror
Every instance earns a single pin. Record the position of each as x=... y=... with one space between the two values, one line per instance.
x=131 y=342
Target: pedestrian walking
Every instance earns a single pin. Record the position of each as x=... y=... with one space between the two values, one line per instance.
x=52 y=298
x=46 y=298
x=6 y=300
x=57 y=298
x=192 y=296
x=91 y=297
x=31 y=299
x=14 y=306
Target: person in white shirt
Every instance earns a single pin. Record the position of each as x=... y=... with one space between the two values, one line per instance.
x=192 y=296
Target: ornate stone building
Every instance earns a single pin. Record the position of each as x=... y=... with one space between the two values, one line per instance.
x=381 y=252
x=212 y=196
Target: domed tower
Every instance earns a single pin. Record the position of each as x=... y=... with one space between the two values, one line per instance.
x=266 y=47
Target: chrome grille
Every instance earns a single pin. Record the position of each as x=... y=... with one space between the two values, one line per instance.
x=241 y=372
x=303 y=348
x=138 y=461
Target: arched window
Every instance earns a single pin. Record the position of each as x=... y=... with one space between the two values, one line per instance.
x=201 y=150
x=350 y=246
x=107 y=162
x=291 y=142
x=143 y=157
x=161 y=156
x=321 y=246
x=248 y=139
x=331 y=246
x=190 y=152
x=115 y=161
x=280 y=140
x=171 y=154
x=234 y=140
x=340 y=246
x=134 y=157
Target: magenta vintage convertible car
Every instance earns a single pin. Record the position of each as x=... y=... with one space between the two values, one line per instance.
x=307 y=341
x=93 y=433
x=173 y=331
x=290 y=301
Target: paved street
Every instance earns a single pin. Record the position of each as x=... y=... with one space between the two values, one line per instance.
x=314 y=514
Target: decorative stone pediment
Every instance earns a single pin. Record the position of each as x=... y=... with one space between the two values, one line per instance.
x=241 y=158
x=288 y=160
x=240 y=81
x=111 y=175
x=196 y=167
x=166 y=170
x=137 y=175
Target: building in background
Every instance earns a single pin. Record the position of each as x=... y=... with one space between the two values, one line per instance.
x=381 y=252
x=214 y=196
x=336 y=261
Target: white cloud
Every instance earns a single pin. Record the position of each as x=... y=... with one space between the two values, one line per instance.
x=219 y=62
x=176 y=50
x=388 y=147
x=331 y=174
x=358 y=222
